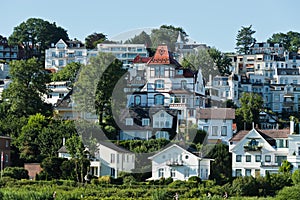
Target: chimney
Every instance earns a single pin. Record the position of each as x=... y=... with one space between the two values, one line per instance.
x=64 y=141
x=292 y=125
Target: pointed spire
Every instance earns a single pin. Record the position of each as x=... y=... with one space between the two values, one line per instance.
x=179 y=38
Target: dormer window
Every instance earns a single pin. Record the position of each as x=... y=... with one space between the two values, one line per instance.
x=180 y=72
x=129 y=121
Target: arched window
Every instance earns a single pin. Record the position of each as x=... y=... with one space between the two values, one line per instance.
x=137 y=100
x=159 y=99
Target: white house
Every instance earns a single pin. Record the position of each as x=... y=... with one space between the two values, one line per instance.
x=114 y=159
x=179 y=163
x=57 y=91
x=64 y=52
x=256 y=151
x=217 y=122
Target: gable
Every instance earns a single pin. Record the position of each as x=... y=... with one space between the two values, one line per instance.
x=248 y=138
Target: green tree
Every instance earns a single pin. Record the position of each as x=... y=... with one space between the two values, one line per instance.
x=245 y=186
x=289 y=40
x=51 y=168
x=167 y=34
x=24 y=94
x=202 y=60
x=68 y=73
x=36 y=35
x=221 y=166
x=291 y=193
x=221 y=60
x=92 y=40
x=142 y=38
x=286 y=167
x=77 y=151
x=296 y=177
x=251 y=104
x=245 y=39
x=28 y=142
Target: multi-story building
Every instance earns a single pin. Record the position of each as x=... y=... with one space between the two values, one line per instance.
x=64 y=52
x=9 y=52
x=124 y=52
x=57 y=91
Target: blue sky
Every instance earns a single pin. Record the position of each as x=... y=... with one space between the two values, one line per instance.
x=213 y=22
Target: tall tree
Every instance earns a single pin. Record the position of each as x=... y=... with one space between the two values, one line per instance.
x=245 y=39
x=92 y=40
x=289 y=40
x=167 y=34
x=36 y=35
x=142 y=38
x=202 y=60
x=77 y=151
x=221 y=60
x=24 y=93
x=251 y=104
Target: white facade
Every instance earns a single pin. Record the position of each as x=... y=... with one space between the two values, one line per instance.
x=253 y=154
x=179 y=164
x=57 y=91
x=114 y=159
x=124 y=52
x=216 y=122
x=62 y=53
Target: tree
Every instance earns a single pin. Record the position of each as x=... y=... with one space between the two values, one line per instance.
x=142 y=38
x=167 y=34
x=16 y=172
x=68 y=73
x=286 y=167
x=28 y=142
x=251 y=104
x=77 y=151
x=202 y=60
x=222 y=61
x=289 y=40
x=36 y=35
x=51 y=168
x=221 y=166
x=296 y=177
x=245 y=39
x=24 y=94
x=92 y=40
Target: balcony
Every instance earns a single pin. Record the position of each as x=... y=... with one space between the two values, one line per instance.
x=252 y=145
x=177 y=105
x=174 y=163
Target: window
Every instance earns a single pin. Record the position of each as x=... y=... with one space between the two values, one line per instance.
x=214 y=131
x=53 y=62
x=159 y=71
x=61 y=95
x=112 y=172
x=60 y=54
x=238 y=158
x=257 y=158
x=162 y=134
x=145 y=122
x=248 y=172
x=159 y=99
x=186 y=172
x=112 y=158
x=172 y=172
x=61 y=63
x=129 y=121
x=6 y=143
x=137 y=100
x=161 y=172
x=159 y=84
x=238 y=172
x=205 y=128
x=49 y=96
x=248 y=158
x=267 y=158
x=224 y=131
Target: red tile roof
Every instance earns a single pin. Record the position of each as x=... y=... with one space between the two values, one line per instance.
x=163 y=56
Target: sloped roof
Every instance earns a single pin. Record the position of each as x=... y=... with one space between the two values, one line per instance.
x=114 y=147
x=267 y=134
x=215 y=113
x=63 y=149
x=162 y=56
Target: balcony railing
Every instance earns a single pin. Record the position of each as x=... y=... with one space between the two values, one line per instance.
x=249 y=147
x=174 y=163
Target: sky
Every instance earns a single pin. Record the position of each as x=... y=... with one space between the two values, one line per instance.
x=214 y=22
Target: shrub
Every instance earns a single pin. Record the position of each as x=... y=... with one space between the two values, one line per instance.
x=195 y=179
x=291 y=193
x=16 y=172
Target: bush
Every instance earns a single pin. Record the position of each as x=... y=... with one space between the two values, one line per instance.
x=195 y=179
x=16 y=172
x=291 y=193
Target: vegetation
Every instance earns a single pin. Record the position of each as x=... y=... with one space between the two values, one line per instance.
x=245 y=39
x=290 y=40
